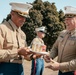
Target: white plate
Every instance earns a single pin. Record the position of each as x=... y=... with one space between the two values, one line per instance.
x=43 y=53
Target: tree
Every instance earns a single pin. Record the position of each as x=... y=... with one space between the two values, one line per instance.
x=44 y=14
x=34 y=21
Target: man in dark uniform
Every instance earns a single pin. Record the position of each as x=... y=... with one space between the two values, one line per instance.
x=65 y=46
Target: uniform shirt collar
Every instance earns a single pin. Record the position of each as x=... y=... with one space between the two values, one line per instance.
x=73 y=32
x=13 y=25
x=38 y=37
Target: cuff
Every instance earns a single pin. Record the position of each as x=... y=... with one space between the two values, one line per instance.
x=64 y=66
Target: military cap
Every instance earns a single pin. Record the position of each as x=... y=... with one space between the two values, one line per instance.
x=41 y=29
x=70 y=11
x=21 y=8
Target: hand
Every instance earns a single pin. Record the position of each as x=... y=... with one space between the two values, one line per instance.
x=47 y=58
x=35 y=56
x=54 y=65
x=38 y=55
x=24 y=51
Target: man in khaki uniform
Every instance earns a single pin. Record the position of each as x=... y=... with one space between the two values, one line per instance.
x=37 y=43
x=65 y=46
x=13 y=40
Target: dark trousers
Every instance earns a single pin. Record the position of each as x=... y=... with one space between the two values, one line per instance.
x=66 y=73
x=11 y=69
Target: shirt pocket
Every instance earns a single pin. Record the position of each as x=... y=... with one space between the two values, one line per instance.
x=71 y=46
x=9 y=43
x=71 y=42
x=9 y=40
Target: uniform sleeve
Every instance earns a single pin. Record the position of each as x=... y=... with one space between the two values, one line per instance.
x=68 y=66
x=35 y=40
x=6 y=54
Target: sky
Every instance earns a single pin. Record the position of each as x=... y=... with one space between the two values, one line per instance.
x=5 y=8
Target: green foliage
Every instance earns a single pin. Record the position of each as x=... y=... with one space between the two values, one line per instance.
x=44 y=14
